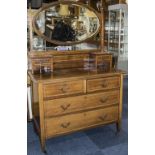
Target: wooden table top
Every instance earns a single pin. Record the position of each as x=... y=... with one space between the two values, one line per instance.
x=68 y=74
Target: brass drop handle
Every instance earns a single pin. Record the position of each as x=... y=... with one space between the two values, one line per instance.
x=104 y=85
x=103 y=100
x=65 y=125
x=65 y=107
x=102 y=118
x=64 y=89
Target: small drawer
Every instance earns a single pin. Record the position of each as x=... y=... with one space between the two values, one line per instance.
x=41 y=65
x=103 y=84
x=73 y=122
x=58 y=89
x=102 y=99
x=104 y=57
x=73 y=104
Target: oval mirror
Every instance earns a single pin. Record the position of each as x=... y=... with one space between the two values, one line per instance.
x=67 y=22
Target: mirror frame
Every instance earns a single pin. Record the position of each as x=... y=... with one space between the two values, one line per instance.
x=56 y=42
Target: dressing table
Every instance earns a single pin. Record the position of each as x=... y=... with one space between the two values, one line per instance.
x=81 y=90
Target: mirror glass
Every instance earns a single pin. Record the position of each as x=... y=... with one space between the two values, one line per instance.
x=66 y=23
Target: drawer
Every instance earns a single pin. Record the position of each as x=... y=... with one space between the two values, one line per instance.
x=69 y=61
x=53 y=90
x=70 y=57
x=69 y=64
x=73 y=122
x=73 y=104
x=106 y=57
x=103 y=84
x=39 y=64
x=102 y=99
x=63 y=105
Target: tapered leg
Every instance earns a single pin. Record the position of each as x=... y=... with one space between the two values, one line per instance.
x=35 y=129
x=43 y=146
x=42 y=119
x=118 y=126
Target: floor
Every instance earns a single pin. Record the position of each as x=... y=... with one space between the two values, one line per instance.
x=98 y=141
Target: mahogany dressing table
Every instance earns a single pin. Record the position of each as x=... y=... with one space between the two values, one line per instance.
x=82 y=90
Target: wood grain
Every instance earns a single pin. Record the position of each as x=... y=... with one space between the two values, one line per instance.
x=103 y=84
x=41 y=116
x=74 y=98
x=78 y=103
x=63 y=88
x=81 y=120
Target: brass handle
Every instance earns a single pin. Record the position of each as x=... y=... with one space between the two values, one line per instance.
x=104 y=85
x=64 y=89
x=102 y=118
x=103 y=100
x=65 y=107
x=65 y=125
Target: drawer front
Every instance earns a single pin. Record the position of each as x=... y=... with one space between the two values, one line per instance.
x=41 y=63
x=103 y=84
x=61 y=58
x=102 y=99
x=69 y=64
x=73 y=122
x=63 y=105
x=69 y=61
x=53 y=90
x=72 y=104
x=106 y=57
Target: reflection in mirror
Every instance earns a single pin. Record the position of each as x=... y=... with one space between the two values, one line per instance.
x=67 y=23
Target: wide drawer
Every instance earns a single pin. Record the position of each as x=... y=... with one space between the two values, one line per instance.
x=53 y=90
x=72 y=104
x=103 y=84
x=73 y=122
